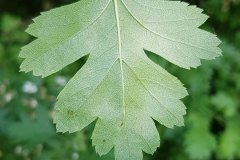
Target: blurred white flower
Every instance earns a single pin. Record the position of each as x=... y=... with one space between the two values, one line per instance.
x=18 y=150
x=75 y=156
x=8 y=97
x=52 y=114
x=29 y=87
x=25 y=152
x=33 y=103
x=61 y=80
x=2 y=89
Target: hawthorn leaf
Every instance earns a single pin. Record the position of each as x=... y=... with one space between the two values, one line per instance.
x=119 y=86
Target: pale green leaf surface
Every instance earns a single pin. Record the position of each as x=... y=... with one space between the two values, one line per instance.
x=119 y=85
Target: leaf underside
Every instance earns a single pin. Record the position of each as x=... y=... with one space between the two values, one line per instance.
x=119 y=85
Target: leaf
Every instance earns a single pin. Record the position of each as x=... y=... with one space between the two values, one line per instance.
x=223 y=102
x=199 y=142
x=119 y=86
x=32 y=131
x=9 y=22
x=229 y=142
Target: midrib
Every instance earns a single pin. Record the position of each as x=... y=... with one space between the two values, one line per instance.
x=120 y=52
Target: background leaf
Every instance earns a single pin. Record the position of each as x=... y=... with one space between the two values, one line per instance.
x=119 y=86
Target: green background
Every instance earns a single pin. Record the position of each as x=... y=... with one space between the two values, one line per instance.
x=212 y=129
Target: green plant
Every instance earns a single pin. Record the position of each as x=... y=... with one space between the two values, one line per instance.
x=119 y=85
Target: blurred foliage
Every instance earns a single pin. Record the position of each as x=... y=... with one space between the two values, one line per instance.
x=212 y=128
